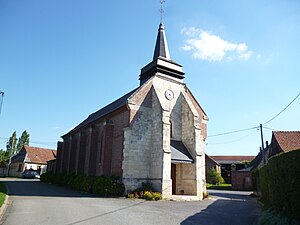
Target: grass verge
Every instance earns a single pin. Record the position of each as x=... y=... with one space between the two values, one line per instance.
x=218 y=186
x=2 y=193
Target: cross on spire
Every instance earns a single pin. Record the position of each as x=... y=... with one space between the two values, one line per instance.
x=161 y=9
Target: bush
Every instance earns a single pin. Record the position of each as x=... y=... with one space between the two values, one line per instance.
x=213 y=177
x=270 y=217
x=103 y=185
x=280 y=182
x=108 y=186
x=2 y=193
x=145 y=192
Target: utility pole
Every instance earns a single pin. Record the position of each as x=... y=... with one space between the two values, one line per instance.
x=262 y=143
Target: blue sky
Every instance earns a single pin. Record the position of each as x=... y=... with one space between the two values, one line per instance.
x=62 y=60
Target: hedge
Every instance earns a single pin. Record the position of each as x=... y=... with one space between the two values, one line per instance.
x=102 y=185
x=280 y=182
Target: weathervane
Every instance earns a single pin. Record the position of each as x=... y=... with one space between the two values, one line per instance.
x=161 y=9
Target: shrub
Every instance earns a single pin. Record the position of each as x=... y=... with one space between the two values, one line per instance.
x=213 y=177
x=280 y=182
x=103 y=185
x=145 y=192
x=270 y=217
x=2 y=193
x=108 y=186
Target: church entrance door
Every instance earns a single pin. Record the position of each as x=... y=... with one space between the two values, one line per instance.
x=173 y=177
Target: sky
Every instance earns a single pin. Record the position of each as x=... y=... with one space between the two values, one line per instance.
x=63 y=60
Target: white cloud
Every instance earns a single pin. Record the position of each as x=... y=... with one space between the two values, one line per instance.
x=207 y=46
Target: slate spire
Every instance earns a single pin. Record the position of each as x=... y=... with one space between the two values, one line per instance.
x=161 y=46
x=161 y=64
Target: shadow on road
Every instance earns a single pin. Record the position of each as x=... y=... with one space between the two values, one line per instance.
x=226 y=212
x=230 y=195
x=23 y=187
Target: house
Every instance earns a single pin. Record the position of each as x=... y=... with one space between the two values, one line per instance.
x=232 y=162
x=281 y=141
x=155 y=133
x=211 y=163
x=284 y=141
x=31 y=158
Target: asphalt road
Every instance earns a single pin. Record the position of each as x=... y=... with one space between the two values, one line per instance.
x=32 y=202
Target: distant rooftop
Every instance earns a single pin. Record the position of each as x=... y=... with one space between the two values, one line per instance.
x=232 y=159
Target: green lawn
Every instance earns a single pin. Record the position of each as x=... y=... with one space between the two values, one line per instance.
x=2 y=193
x=219 y=186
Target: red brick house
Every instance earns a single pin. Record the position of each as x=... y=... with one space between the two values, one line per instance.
x=281 y=141
x=154 y=133
x=33 y=158
x=284 y=141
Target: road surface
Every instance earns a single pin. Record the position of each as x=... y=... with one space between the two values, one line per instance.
x=33 y=202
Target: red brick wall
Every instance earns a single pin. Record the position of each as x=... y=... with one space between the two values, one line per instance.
x=241 y=180
x=65 y=155
x=120 y=121
x=81 y=155
x=59 y=156
x=73 y=154
x=93 y=152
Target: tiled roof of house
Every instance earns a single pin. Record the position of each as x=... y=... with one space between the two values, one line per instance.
x=288 y=140
x=231 y=159
x=39 y=155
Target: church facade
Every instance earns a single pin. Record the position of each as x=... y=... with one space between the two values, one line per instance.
x=155 y=133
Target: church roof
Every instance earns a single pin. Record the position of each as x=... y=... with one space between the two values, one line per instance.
x=161 y=46
x=104 y=111
x=180 y=153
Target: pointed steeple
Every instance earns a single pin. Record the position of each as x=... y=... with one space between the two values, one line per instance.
x=161 y=63
x=161 y=46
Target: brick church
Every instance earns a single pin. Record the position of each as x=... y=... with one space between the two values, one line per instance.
x=154 y=133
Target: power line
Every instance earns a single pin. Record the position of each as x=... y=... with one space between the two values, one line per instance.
x=231 y=132
x=282 y=110
x=241 y=130
x=229 y=142
x=269 y=128
x=43 y=143
x=34 y=142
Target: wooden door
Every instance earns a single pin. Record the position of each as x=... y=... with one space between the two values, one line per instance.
x=173 y=177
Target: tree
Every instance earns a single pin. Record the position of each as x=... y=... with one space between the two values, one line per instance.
x=11 y=145
x=23 y=140
x=3 y=158
x=213 y=177
x=14 y=145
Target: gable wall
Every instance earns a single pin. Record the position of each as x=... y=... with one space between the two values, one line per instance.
x=139 y=139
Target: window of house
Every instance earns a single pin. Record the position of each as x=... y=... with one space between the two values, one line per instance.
x=20 y=167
